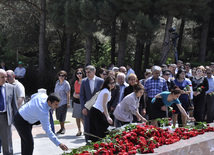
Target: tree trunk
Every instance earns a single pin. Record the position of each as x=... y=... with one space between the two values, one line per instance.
x=146 y=57
x=68 y=52
x=122 y=43
x=203 y=41
x=61 y=54
x=88 y=47
x=181 y=32
x=42 y=26
x=138 y=58
x=166 y=41
x=113 y=41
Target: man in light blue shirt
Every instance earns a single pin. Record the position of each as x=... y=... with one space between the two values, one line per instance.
x=209 y=96
x=37 y=109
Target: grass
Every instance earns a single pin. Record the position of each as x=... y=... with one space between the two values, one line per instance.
x=57 y=122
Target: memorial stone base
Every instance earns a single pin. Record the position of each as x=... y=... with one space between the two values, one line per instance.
x=199 y=145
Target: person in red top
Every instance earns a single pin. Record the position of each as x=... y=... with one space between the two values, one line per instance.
x=77 y=111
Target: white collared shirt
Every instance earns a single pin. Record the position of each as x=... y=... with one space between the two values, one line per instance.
x=3 y=94
x=20 y=72
x=91 y=84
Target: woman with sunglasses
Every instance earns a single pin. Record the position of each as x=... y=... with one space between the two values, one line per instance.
x=102 y=73
x=77 y=110
x=62 y=88
x=99 y=118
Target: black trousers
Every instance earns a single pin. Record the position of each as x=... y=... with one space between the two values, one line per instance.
x=209 y=108
x=199 y=106
x=98 y=124
x=25 y=132
x=149 y=107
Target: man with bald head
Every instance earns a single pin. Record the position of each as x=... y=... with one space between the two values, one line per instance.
x=18 y=86
x=8 y=108
x=123 y=69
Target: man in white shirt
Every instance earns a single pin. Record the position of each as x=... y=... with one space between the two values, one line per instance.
x=19 y=88
x=20 y=72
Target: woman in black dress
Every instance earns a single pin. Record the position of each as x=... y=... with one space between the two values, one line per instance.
x=200 y=86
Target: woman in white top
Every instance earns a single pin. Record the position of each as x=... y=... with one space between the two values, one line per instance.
x=99 y=118
x=129 y=106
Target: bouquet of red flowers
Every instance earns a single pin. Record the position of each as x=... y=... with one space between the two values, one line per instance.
x=199 y=89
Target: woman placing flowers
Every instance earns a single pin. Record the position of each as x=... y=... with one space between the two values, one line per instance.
x=129 y=106
x=160 y=101
x=99 y=118
x=200 y=86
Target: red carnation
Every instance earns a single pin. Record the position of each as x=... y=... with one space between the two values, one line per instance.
x=96 y=146
x=202 y=87
x=173 y=111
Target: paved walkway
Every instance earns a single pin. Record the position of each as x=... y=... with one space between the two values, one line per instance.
x=44 y=146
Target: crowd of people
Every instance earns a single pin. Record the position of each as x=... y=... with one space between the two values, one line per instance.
x=122 y=99
x=126 y=99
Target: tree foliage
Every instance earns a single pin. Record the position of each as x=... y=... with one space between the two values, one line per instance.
x=129 y=32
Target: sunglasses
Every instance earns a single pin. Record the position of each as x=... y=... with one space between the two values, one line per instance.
x=79 y=73
x=104 y=74
x=166 y=74
x=61 y=75
x=209 y=73
x=111 y=83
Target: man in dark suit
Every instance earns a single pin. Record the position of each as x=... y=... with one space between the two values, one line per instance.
x=90 y=85
x=2 y=66
x=8 y=107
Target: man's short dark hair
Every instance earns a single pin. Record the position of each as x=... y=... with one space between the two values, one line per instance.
x=54 y=97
